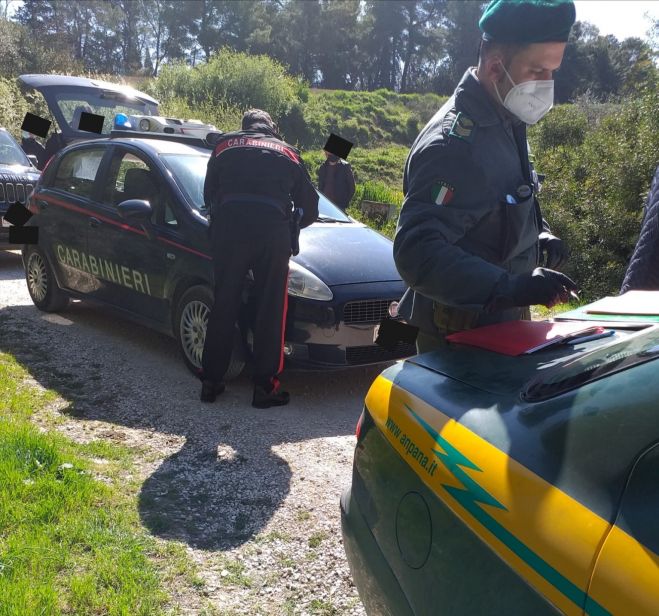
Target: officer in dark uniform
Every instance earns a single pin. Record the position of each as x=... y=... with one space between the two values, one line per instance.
x=253 y=179
x=31 y=146
x=470 y=234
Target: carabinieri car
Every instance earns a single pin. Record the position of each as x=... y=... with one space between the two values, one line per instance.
x=485 y=484
x=122 y=221
x=17 y=179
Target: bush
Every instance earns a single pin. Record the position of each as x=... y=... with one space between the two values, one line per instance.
x=597 y=182
x=231 y=80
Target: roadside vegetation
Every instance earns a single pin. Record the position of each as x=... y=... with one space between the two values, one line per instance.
x=598 y=157
x=70 y=543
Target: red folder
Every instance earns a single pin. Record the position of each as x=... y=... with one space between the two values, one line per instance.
x=520 y=337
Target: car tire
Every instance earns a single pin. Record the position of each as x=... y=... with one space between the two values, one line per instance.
x=190 y=328
x=41 y=283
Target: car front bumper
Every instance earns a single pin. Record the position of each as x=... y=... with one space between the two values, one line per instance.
x=339 y=333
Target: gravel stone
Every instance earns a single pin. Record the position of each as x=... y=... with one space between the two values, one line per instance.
x=252 y=495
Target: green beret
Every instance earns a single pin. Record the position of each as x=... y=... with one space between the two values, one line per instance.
x=527 y=21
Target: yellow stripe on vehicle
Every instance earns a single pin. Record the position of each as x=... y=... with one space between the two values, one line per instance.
x=627 y=576
x=546 y=536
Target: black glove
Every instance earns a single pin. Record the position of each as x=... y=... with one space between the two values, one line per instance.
x=541 y=286
x=557 y=251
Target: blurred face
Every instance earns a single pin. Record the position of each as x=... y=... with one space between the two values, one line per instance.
x=535 y=62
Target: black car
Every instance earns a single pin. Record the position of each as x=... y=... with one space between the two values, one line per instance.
x=122 y=221
x=17 y=179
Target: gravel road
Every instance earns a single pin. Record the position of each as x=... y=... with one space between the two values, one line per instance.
x=252 y=494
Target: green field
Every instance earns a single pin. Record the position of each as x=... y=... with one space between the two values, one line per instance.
x=69 y=542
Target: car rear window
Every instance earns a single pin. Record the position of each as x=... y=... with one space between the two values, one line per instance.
x=106 y=104
x=633 y=350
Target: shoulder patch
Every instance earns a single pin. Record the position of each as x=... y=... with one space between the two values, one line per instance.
x=463 y=128
x=441 y=193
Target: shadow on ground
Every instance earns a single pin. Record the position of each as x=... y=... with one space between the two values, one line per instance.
x=225 y=483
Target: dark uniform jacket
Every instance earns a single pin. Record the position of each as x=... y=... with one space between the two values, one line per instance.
x=643 y=270
x=256 y=167
x=32 y=146
x=469 y=216
x=337 y=182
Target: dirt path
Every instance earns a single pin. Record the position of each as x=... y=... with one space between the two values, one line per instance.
x=252 y=494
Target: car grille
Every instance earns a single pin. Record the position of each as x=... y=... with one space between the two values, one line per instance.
x=14 y=188
x=372 y=353
x=366 y=311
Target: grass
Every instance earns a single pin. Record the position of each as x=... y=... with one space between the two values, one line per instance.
x=68 y=543
x=303 y=515
x=317 y=538
x=323 y=608
x=233 y=572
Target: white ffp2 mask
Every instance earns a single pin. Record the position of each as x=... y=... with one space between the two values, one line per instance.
x=529 y=100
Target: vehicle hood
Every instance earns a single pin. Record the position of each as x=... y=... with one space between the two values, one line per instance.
x=346 y=253
x=20 y=170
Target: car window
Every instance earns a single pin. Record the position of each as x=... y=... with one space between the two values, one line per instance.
x=10 y=152
x=189 y=171
x=106 y=104
x=132 y=177
x=77 y=171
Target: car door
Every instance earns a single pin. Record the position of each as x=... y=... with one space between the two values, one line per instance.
x=64 y=202
x=626 y=575
x=130 y=261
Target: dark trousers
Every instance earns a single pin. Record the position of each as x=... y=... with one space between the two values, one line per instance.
x=241 y=242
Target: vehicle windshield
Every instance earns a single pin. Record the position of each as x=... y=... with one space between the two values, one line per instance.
x=10 y=153
x=107 y=104
x=189 y=171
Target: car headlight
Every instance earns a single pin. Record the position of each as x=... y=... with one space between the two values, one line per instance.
x=302 y=283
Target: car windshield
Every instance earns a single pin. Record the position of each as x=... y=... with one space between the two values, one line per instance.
x=189 y=171
x=10 y=152
x=106 y=104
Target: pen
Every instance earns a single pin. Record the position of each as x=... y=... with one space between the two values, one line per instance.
x=606 y=334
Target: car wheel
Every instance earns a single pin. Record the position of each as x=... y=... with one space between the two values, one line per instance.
x=190 y=327
x=41 y=283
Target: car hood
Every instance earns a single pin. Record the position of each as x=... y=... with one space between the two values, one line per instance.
x=20 y=170
x=346 y=253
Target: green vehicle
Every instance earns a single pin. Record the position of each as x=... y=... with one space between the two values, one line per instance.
x=528 y=485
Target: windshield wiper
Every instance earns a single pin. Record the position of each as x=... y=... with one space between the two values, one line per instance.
x=323 y=218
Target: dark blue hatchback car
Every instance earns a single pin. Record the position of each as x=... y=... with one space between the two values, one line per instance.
x=122 y=222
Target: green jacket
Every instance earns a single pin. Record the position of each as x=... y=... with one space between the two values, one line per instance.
x=458 y=232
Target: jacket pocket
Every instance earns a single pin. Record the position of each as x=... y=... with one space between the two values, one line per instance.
x=519 y=228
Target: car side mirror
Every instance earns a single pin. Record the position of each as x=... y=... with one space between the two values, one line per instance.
x=33 y=159
x=139 y=211
x=135 y=209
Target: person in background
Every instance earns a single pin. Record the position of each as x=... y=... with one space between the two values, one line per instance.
x=643 y=269
x=253 y=179
x=336 y=180
x=32 y=147
x=470 y=233
x=54 y=144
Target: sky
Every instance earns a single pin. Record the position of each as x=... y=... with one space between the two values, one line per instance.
x=622 y=18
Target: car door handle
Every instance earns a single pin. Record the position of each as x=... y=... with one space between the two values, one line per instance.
x=171 y=256
x=94 y=222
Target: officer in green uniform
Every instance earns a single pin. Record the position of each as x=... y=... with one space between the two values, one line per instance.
x=470 y=235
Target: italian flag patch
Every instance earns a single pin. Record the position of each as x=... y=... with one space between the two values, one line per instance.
x=442 y=193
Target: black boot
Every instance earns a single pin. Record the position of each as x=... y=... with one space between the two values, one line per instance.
x=263 y=399
x=210 y=390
